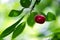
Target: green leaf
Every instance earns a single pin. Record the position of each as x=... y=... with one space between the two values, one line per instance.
x=25 y=3
x=56 y=36
x=47 y=2
x=1 y=38
x=50 y=17
x=42 y=13
x=30 y=19
x=58 y=11
x=43 y=4
x=40 y=7
x=10 y=29
x=15 y=13
x=38 y=1
x=18 y=30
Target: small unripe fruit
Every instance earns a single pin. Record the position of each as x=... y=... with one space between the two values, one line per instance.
x=40 y=19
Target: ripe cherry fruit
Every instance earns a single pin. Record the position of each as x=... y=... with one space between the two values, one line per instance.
x=40 y=19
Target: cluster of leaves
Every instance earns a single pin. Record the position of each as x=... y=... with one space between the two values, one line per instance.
x=17 y=28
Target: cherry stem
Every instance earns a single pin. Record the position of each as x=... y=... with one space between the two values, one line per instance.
x=33 y=6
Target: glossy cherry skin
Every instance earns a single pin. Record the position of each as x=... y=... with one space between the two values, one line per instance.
x=40 y=19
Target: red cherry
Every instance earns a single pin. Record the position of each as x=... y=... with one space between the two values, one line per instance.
x=40 y=19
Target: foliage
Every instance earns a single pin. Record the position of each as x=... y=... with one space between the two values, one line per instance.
x=17 y=28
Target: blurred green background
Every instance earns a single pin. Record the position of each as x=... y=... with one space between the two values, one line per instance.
x=30 y=33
